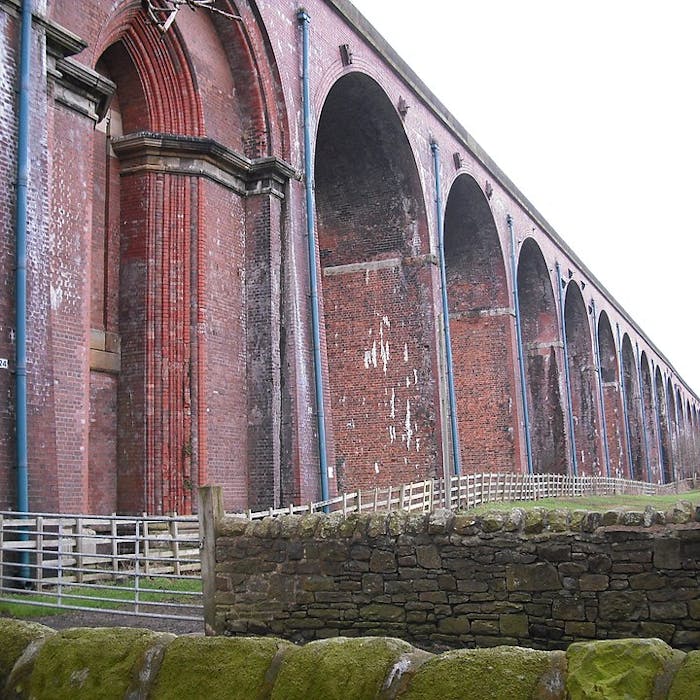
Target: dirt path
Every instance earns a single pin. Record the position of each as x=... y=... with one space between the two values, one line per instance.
x=109 y=619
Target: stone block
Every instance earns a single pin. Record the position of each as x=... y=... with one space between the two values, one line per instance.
x=428 y=557
x=578 y=630
x=593 y=582
x=568 y=609
x=668 y=611
x=514 y=625
x=540 y=576
x=622 y=605
x=454 y=625
x=382 y=561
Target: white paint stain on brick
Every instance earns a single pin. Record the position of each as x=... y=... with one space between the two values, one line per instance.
x=408 y=432
x=384 y=347
x=405 y=352
x=392 y=404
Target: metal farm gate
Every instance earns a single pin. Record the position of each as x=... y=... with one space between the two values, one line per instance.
x=147 y=566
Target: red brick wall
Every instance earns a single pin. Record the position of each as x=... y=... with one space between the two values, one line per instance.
x=9 y=28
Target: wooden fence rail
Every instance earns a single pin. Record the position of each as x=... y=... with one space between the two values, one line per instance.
x=471 y=490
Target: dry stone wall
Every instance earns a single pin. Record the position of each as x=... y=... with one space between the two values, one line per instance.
x=536 y=578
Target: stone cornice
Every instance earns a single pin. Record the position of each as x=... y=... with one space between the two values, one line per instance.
x=202 y=157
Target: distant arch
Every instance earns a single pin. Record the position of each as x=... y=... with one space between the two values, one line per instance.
x=634 y=413
x=581 y=374
x=612 y=398
x=664 y=427
x=542 y=350
x=650 y=424
x=481 y=328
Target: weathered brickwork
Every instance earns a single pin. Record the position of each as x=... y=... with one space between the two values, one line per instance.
x=169 y=305
x=535 y=578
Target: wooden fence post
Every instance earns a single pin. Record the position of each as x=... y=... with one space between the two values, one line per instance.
x=211 y=510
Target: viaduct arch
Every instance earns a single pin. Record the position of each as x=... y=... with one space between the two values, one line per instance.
x=169 y=307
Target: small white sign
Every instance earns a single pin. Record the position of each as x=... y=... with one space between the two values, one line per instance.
x=3 y=363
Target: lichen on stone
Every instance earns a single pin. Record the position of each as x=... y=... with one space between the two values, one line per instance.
x=686 y=684
x=338 y=669
x=616 y=668
x=15 y=637
x=217 y=667
x=91 y=663
x=499 y=673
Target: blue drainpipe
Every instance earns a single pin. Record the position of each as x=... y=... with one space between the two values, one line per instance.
x=643 y=409
x=304 y=21
x=456 y=461
x=599 y=368
x=21 y=272
x=625 y=411
x=21 y=258
x=567 y=374
x=519 y=335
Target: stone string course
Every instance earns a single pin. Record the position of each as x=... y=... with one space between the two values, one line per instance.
x=536 y=578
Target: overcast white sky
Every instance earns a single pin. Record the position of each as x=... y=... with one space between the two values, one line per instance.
x=592 y=109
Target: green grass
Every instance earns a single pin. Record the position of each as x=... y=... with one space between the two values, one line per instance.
x=120 y=595
x=596 y=503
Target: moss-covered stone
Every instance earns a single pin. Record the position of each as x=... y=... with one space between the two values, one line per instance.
x=686 y=684
x=616 y=668
x=217 y=667
x=92 y=663
x=337 y=669
x=500 y=673
x=15 y=637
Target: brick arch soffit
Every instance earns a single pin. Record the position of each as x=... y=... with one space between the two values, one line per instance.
x=172 y=111
x=464 y=176
x=573 y=289
x=419 y=189
x=605 y=330
x=535 y=258
x=322 y=89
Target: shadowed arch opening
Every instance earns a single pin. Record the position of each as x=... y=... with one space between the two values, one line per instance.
x=690 y=439
x=612 y=399
x=542 y=350
x=481 y=329
x=582 y=378
x=372 y=233
x=634 y=413
x=664 y=427
x=682 y=436
x=673 y=427
x=650 y=423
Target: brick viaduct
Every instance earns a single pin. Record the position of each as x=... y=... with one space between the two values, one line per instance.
x=169 y=308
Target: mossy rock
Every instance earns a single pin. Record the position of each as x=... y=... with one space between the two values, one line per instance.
x=500 y=673
x=616 y=668
x=15 y=637
x=338 y=669
x=686 y=684
x=93 y=663
x=217 y=667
